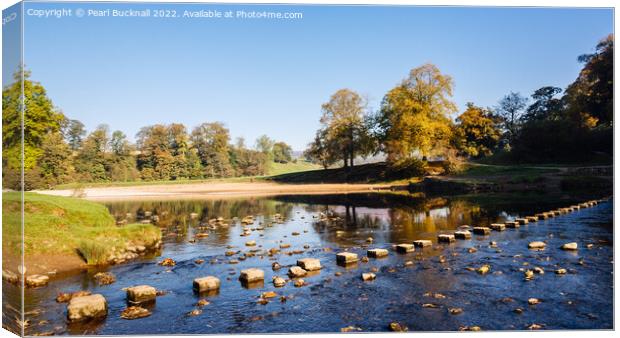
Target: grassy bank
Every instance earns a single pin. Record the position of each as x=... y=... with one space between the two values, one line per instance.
x=68 y=227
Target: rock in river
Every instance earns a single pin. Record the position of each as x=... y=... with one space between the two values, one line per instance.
x=104 y=278
x=537 y=245
x=296 y=272
x=34 y=281
x=135 y=312
x=398 y=327
x=87 y=307
x=445 y=238
x=377 y=253
x=368 y=276
x=482 y=230
x=462 y=234
x=279 y=281
x=346 y=258
x=570 y=246
x=208 y=283
x=405 y=248
x=252 y=275
x=309 y=264
x=422 y=243
x=141 y=293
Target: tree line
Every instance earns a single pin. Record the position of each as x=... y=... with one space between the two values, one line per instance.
x=59 y=150
x=415 y=121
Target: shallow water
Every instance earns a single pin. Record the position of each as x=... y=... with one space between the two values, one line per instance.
x=581 y=299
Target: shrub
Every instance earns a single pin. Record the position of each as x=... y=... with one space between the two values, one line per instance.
x=93 y=252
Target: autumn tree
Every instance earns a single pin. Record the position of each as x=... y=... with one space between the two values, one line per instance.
x=344 y=130
x=477 y=131
x=211 y=142
x=415 y=115
x=318 y=151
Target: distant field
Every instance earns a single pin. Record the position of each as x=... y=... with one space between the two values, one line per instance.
x=286 y=168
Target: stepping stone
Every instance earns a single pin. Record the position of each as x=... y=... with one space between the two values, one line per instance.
x=368 y=276
x=462 y=234
x=309 y=264
x=141 y=293
x=377 y=253
x=445 y=238
x=252 y=275
x=86 y=308
x=498 y=227
x=537 y=245
x=482 y=230
x=550 y=214
x=514 y=224
x=296 y=272
x=422 y=243
x=532 y=218
x=208 y=283
x=35 y=281
x=521 y=221
x=346 y=258
x=405 y=248
x=542 y=216
x=556 y=212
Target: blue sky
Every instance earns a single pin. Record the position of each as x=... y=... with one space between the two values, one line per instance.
x=271 y=76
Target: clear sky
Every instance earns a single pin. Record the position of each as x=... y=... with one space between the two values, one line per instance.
x=268 y=76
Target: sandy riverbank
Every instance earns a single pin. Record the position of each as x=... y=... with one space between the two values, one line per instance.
x=213 y=190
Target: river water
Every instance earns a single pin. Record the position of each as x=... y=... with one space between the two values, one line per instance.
x=580 y=299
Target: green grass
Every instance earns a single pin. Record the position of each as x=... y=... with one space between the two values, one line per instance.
x=64 y=225
x=286 y=168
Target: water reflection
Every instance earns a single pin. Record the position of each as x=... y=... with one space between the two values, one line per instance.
x=312 y=225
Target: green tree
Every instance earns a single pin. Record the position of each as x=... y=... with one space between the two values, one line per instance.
x=318 y=151
x=477 y=131
x=211 y=142
x=415 y=115
x=282 y=152
x=265 y=144
x=39 y=118
x=74 y=134
x=344 y=127
x=510 y=109
x=590 y=97
x=56 y=162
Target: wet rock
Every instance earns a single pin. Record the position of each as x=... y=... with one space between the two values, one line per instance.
x=570 y=246
x=299 y=283
x=338 y=274
x=268 y=294
x=250 y=243
x=455 y=310
x=275 y=266
x=484 y=269
x=296 y=272
x=472 y=250
x=430 y=306
x=537 y=245
x=279 y=282
x=346 y=258
x=542 y=216
x=208 y=283
x=560 y=271
x=194 y=312
x=408 y=263
x=498 y=227
x=368 y=276
x=539 y=270
x=405 y=248
x=535 y=326
x=66 y=297
x=365 y=260
x=35 y=281
x=199 y=261
x=252 y=275
x=167 y=262
x=528 y=274
x=141 y=293
x=135 y=312
x=398 y=327
x=309 y=264
x=482 y=231
x=520 y=221
x=350 y=329
x=285 y=246
x=518 y=310
x=422 y=243
x=462 y=234
x=10 y=276
x=445 y=238
x=377 y=253
x=531 y=218
x=369 y=240
x=533 y=301
x=203 y=302
x=86 y=308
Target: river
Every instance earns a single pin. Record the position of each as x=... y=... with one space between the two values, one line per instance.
x=419 y=295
